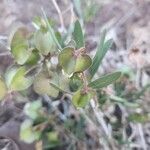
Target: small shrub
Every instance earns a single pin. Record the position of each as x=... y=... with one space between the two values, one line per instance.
x=48 y=66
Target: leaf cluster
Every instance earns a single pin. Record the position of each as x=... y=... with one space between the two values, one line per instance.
x=45 y=63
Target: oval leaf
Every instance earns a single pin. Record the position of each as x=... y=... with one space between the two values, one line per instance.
x=19 y=45
x=105 y=80
x=67 y=60
x=9 y=75
x=83 y=62
x=42 y=84
x=32 y=109
x=27 y=133
x=44 y=42
x=15 y=79
x=81 y=99
x=33 y=59
x=75 y=82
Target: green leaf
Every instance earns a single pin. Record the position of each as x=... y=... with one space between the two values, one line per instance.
x=100 y=53
x=78 y=35
x=33 y=70
x=62 y=83
x=123 y=101
x=27 y=134
x=15 y=79
x=42 y=84
x=70 y=63
x=32 y=109
x=81 y=99
x=51 y=30
x=60 y=38
x=75 y=82
x=19 y=82
x=83 y=62
x=19 y=45
x=37 y=22
x=33 y=59
x=105 y=80
x=139 y=118
x=67 y=60
x=9 y=75
x=53 y=137
x=3 y=89
x=44 y=42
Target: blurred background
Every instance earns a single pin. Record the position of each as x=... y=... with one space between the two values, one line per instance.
x=128 y=23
